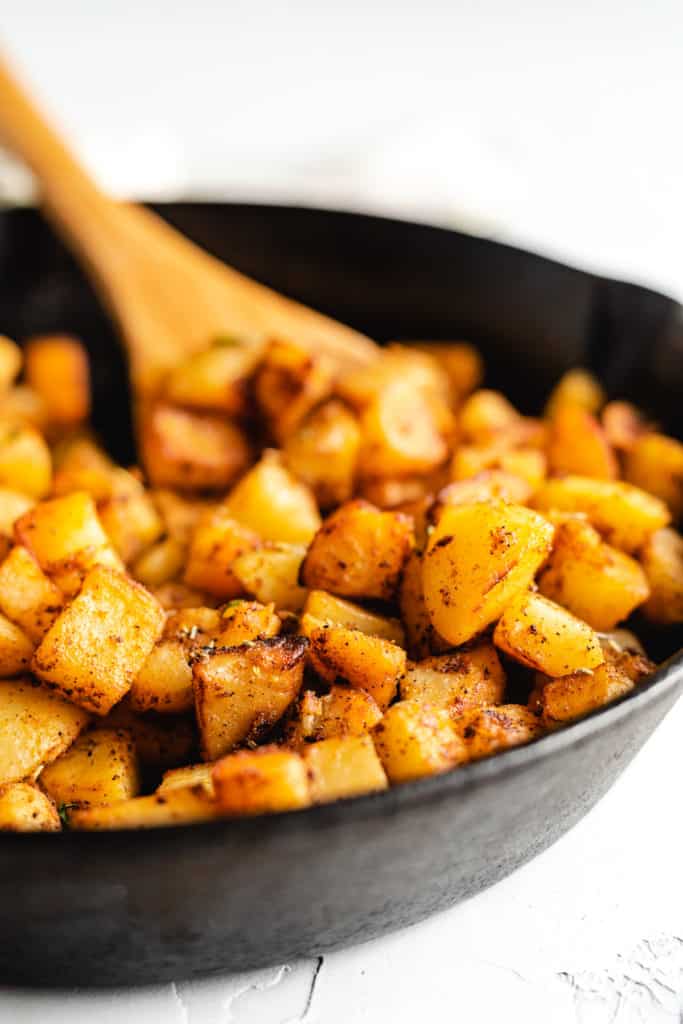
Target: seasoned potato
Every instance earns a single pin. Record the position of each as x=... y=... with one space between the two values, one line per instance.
x=623 y=425
x=472 y=676
x=527 y=464
x=365 y=662
x=25 y=461
x=129 y=516
x=214 y=380
x=479 y=557
x=24 y=808
x=542 y=635
x=162 y=742
x=395 y=362
x=12 y=506
x=273 y=503
x=16 y=649
x=188 y=775
x=175 y=594
x=164 y=683
x=343 y=766
x=288 y=384
x=662 y=560
x=488 y=485
x=486 y=416
x=217 y=541
x=562 y=700
x=195 y=625
x=461 y=362
x=423 y=639
x=343 y=711
x=655 y=463
x=244 y=621
x=577 y=444
x=271 y=575
x=160 y=563
x=99 y=768
x=397 y=492
x=261 y=781
x=577 y=388
x=623 y=514
x=27 y=596
x=487 y=731
x=180 y=514
x=402 y=432
x=359 y=551
x=57 y=369
x=99 y=643
x=593 y=580
x=414 y=740
x=323 y=452
x=184 y=805
x=36 y=726
x=241 y=692
x=327 y=608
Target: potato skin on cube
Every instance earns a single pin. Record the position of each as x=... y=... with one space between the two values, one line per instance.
x=36 y=726
x=27 y=596
x=478 y=558
x=262 y=781
x=487 y=731
x=462 y=678
x=366 y=662
x=341 y=712
x=24 y=808
x=343 y=767
x=414 y=740
x=99 y=768
x=542 y=635
x=99 y=643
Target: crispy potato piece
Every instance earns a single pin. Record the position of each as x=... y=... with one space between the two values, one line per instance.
x=99 y=643
x=402 y=432
x=244 y=621
x=16 y=649
x=194 y=625
x=486 y=416
x=562 y=700
x=174 y=595
x=328 y=608
x=488 y=485
x=189 y=775
x=241 y=692
x=160 y=563
x=623 y=425
x=487 y=731
x=161 y=741
x=180 y=513
x=414 y=740
x=27 y=596
x=288 y=384
x=577 y=388
x=341 y=712
x=214 y=380
x=57 y=369
x=395 y=493
x=478 y=558
x=24 y=808
x=10 y=363
x=662 y=560
x=164 y=683
x=655 y=463
x=359 y=551
x=217 y=541
x=595 y=581
x=422 y=637
x=129 y=516
x=577 y=444
x=271 y=575
x=623 y=514
x=36 y=726
x=66 y=538
x=190 y=450
x=365 y=662
x=394 y=362
x=323 y=452
x=463 y=678
x=185 y=805
x=527 y=464
x=273 y=503
x=262 y=781
x=99 y=768
x=541 y=634
x=12 y=506
x=25 y=461
x=461 y=362
x=343 y=766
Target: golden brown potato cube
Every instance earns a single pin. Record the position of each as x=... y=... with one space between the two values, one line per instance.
x=488 y=485
x=180 y=513
x=262 y=781
x=662 y=560
x=328 y=608
x=623 y=425
x=288 y=384
x=161 y=741
x=461 y=362
x=25 y=461
x=563 y=700
x=24 y=808
x=188 y=775
x=23 y=405
x=421 y=635
x=468 y=677
x=57 y=368
x=27 y=596
x=359 y=551
x=99 y=768
x=35 y=727
x=160 y=563
x=271 y=575
x=164 y=683
x=241 y=692
x=577 y=444
x=527 y=464
x=174 y=595
x=655 y=463
x=191 y=450
x=12 y=506
x=396 y=493
x=578 y=388
x=273 y=503
x=99 y=643
x=343 y=766
x=595 y=581
x=487 y=415
x=66 y=538
x=129 y=516
x=487 y=731
x=478 y=558
x=402 y=432
x=623 y=514
x=16 y=649
x=394 y=362
x=217 y=541
x=541 y=634
x=184 y=805
x=414 y=740
x=341 y=712
x=214 y=380
x=10 y=363
x=365 y=662
x=244 y=621
x=323 y=452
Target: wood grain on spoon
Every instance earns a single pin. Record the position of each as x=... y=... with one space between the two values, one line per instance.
x=169 y=297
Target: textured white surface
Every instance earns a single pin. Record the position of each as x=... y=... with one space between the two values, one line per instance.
x=553 y=125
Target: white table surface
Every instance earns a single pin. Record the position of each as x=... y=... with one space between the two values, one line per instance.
x=553 y=125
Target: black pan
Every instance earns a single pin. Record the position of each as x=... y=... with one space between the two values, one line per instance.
x=135 y=907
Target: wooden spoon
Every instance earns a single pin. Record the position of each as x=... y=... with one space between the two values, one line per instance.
x=170 y=298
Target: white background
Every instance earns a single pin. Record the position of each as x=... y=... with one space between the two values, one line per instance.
x=554 y=125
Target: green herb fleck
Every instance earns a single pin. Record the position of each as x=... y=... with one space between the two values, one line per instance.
x=63 y=812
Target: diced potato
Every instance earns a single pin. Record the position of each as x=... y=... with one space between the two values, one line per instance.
x=622 y=513
x=99 y=768
x=462 y=363
x=181 y=514
x=486 y=416
x=328 y=608
x=242 y=692
x=464 y=678
x=194 y=625
x=22 y=404
x=527 y=464
x=160 y=563
x=543 y=635
x=57 y=369
x=341 y=712
x=396 y=492
x=563 y=700
x=217 y=541
x=423 y=638
x=271 y=575
x=402 y=432
x=289 y=383
x=394 y=362
x=365 y=662
x=24 y=808
x=489 y=485
x=414 y=740
x=623 y=425
x=359 y=551
x=191 y=450
x=215 y=379
x=478 y=558
x=487 y=731
x=164 y=683
x=323 y=452
x=99 y=643
x=175 y=594
x=25 y=461
x=343 y=767
x=16 y=649
x=655 y=463
x=244 y=621
x=578 y=388
x=595 y=581
x=662 y=560
x=12 y=506
x=577 y=444
x=36 y=726
x=188 y=775
x=161 y=741
x=185 y=805
x=10 y=363
x=262 y=781
x=129 y=516
x=27 y=596
x=273 y=503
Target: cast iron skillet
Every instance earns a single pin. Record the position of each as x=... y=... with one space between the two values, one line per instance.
x=135 y=907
